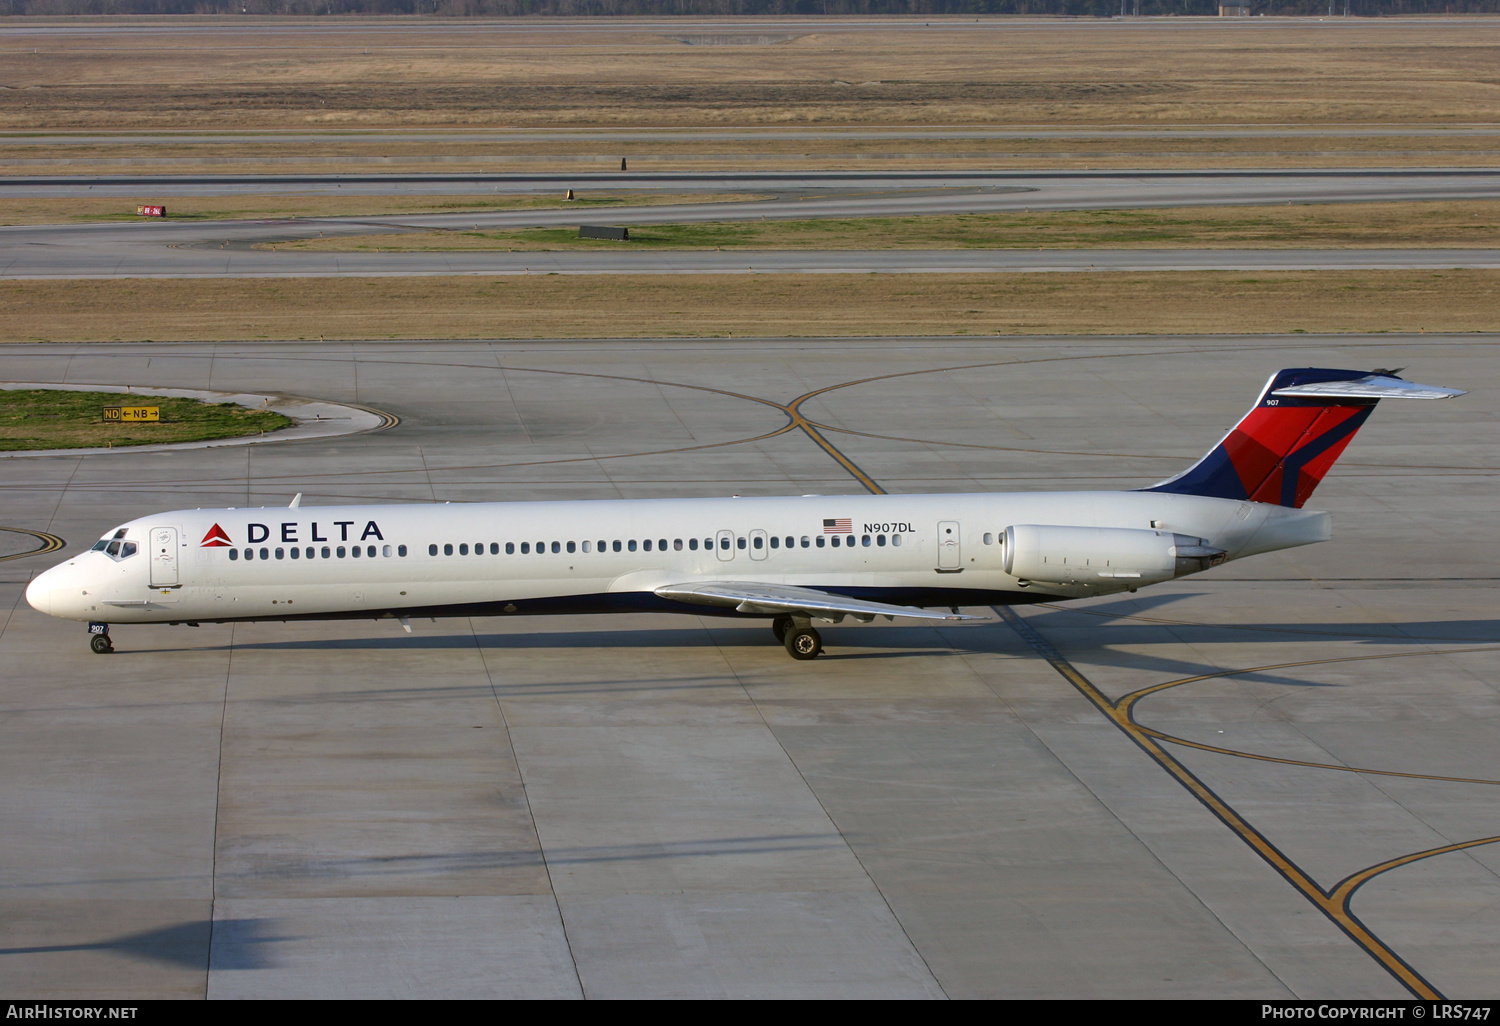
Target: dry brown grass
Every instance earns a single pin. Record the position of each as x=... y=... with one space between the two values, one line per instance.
x=670 y=152
x=749 y=305
x=1314 y=226
x=1369 y=71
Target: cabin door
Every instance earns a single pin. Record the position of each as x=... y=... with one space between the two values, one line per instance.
x=948 y=549
x=163 y=557
x=724 y=545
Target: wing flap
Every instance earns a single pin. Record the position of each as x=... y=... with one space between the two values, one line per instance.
x=770 y=599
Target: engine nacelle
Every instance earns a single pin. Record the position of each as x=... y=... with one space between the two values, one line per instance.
x=1103 y=555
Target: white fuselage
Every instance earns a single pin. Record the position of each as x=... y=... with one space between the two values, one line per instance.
x=595 y=556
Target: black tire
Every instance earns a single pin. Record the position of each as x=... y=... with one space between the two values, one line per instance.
x=780 y=626
x=101 y=644
x=804 y=643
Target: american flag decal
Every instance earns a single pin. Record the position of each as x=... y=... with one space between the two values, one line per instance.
x=844 y=526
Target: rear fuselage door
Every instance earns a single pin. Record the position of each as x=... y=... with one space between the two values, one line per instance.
x=163 y=557
x=948 y=548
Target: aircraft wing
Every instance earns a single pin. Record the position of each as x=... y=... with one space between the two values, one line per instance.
x=785 y=598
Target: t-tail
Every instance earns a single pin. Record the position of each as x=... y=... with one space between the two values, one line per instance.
x=1293 y=434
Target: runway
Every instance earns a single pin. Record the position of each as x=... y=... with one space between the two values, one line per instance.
x=224 y=248
x=652 y=806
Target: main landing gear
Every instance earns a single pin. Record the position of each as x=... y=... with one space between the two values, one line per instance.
x=99 y=639
x=800 y=639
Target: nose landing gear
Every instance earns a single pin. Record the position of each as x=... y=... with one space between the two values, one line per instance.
x=99 y=639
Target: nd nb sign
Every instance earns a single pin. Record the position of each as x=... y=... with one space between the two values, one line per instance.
x=131 y=414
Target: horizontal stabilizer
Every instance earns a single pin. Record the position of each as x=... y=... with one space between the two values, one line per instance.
x=1373 y=386
x=771 y=599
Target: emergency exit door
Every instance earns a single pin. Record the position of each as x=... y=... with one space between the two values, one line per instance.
x=163 y=557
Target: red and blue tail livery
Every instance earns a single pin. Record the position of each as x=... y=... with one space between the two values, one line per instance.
x=1293 y=434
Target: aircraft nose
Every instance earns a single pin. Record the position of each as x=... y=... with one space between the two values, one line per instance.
x=39 y=594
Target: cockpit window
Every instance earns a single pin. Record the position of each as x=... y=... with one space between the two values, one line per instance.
x=117 y=549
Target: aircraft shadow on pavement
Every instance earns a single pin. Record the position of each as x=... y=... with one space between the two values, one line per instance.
x=1103 y=634
x=237 y=944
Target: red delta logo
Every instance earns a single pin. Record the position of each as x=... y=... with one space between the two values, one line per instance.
x=215 y=539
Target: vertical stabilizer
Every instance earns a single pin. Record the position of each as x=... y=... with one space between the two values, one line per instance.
x=1291 y=437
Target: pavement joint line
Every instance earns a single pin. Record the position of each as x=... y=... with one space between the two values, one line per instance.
x=541 y=848
x=848 y=845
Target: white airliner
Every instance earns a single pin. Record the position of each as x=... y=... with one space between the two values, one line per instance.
x=795 y=560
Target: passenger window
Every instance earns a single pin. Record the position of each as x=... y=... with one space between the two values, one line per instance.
x=526 y=548
x=601 y=545
x=740 y=542
x=249 y=554
x=510 y=548
x=556 y=546
x=880 y=540
x=385 y=550
x=835 y=541
x=370 y=551
x=661 y=545
x=895 y=539
x=463 y=549
x=447 y=549
x=790 y=541
x=587 y=546
x=353 y=552
x=647 y=544
x=989 y=539
x=494 y=548
x=760 y=542
x=281 y=553
x=616 y=545
x=338 y=552
x=775 y=542
x=708 y=543
x=311 y=552
x=804 y=541
x=693 y=544
x=572 y=546
x=324 y=551
x=821 y=541
x=630 y=545
x=866 y=541
x=265 y=554
x=541 y=547
x=400 y=550
x=234 y=554
x=431 y=551
x=676 y=544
